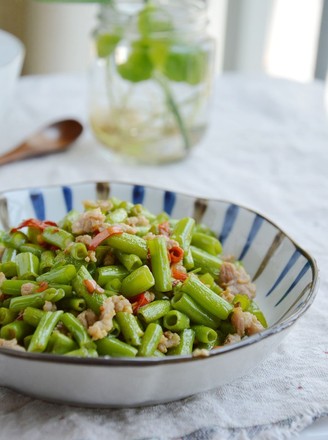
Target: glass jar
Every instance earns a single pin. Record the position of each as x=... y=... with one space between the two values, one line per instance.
x=151 y=78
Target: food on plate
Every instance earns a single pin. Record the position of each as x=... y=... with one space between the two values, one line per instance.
x=116 y=280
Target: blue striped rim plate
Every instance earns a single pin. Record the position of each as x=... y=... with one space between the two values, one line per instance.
x=285 y=275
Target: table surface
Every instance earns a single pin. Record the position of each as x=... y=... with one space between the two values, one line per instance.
x=267 y=138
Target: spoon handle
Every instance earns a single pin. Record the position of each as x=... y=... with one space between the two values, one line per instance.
x=54 y=138
x=21 y=152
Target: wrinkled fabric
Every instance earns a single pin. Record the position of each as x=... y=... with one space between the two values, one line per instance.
x=266 y=148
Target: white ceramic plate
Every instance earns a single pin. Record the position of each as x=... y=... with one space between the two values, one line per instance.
x=285 y=276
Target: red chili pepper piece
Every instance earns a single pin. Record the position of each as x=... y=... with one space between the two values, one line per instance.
x=106 y=233
x=42 y=286
x=178 y=274
x=34 y=223
x=138 y=301
x=176 y=254
x=92 y=286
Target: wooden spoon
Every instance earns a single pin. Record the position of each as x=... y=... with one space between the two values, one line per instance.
x=53 y=138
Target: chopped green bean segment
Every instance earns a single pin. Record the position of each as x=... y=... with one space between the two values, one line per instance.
x=154 y=311
x=176 y=321
x=27 y=266
x=130 y=261
x=37 y=300
x=47 y=260
x=185 y=346
x=43 y=331
x=137 y=281
x=113 y=347
x=16 y=330
x=57 y=237
x=108 y=273
x=60 y=275
x=129 y=328
x=207 y=243
x=206 y=298
x=60 y=344
x=75 y=327
x=160 y=263
x=205 y=261
x=150 y=340
x=7 y=315
x=32 y=316
x=14 y=287
x=128 y=243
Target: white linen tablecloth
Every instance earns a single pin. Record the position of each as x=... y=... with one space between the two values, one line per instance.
x=266 y=148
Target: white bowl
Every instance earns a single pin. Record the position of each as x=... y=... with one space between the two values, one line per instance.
x=11 y=59
x=285 y=275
